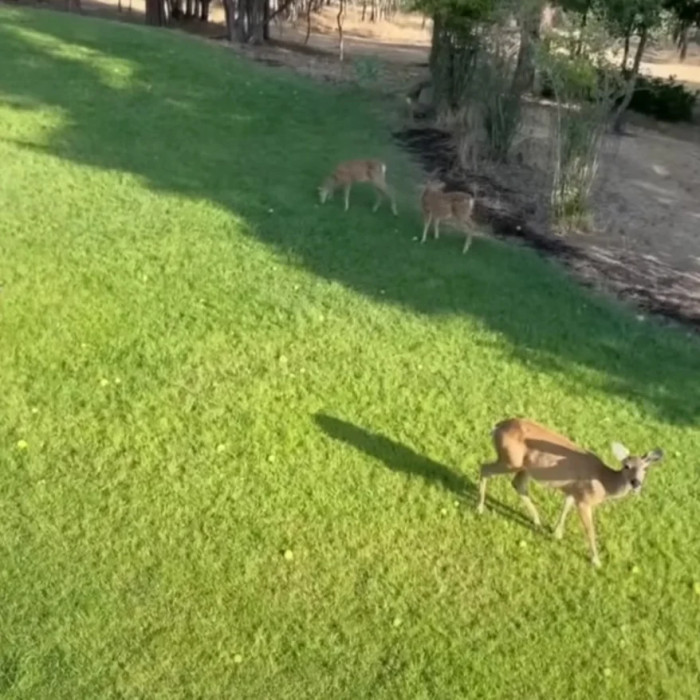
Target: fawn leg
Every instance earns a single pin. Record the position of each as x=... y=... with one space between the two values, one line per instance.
x=467 y=243
x=586 y=514
x=427 y=220
x=487 y=472
x=347 y=196
x=520 y=484
x=559 y=528
x=383 y=188
x=436 y=228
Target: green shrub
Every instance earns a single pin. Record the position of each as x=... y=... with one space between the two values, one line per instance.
x=662 y=98
x=665 y=99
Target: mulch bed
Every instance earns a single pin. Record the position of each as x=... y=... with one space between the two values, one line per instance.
x=648 y=283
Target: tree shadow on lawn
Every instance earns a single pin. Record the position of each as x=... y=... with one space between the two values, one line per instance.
x=243 y=136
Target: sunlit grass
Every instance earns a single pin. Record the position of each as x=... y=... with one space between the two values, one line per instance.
x=239 y=432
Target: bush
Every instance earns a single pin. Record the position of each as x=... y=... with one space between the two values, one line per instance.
x=662 y=98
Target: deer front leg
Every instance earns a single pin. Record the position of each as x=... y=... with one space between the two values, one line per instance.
x=377 y=200
x=467 y=243
x=559 y=528
x=487 y=472
x=436 y=228
x=586 y=514
x=347 y=196
x=520 y=484
x=427 y=220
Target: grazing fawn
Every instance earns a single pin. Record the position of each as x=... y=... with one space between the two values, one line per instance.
x=351 y=171
x=455 y=208
x=528 y=450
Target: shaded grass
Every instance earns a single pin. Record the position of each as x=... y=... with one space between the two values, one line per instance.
x=208 y=369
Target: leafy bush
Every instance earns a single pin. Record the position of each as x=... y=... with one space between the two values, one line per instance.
x=662 y=98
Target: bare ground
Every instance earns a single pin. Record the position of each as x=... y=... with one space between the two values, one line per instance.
x=647 y=200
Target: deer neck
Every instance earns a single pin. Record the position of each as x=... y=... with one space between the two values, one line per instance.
x=615 y=483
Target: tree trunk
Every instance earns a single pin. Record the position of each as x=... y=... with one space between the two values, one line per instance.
x=582 y=30
x=308 y=23
x=266 y=20
x=619 y=120
x=524 y=74
x=256 y=28
x=341 y=40
x=626 y=50
x=435 y=43
x=242 y=23
x=230 y=13
x=683 y=43
x=155 y=13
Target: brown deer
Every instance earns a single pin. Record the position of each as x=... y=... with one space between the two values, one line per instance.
x=527 y=451
x=455 y=208
x=351 y=171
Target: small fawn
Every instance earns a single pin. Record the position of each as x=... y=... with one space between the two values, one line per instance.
x=528 y=450
x=451 y=207
x=351 y=171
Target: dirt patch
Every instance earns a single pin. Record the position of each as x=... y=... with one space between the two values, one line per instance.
x=649 y=283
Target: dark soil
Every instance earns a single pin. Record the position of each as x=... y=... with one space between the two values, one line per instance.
x=648 y=283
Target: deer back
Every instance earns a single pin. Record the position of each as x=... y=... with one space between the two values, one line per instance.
x=359 y=171
x=435 y=202
x=546 y=455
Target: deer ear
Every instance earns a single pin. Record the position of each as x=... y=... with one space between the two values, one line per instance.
x=620 y=451
x=653 y=456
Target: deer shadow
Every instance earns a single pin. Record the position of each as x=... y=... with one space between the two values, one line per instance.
x=402 y=459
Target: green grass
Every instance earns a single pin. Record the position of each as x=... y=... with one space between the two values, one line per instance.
x=208 y=369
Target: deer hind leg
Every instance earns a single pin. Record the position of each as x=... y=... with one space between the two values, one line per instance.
x=346 y=191
x=436 y=228
x=520 y=484
x=427 y=220
x=488 y=471
x=559 y=527
x=586 y=514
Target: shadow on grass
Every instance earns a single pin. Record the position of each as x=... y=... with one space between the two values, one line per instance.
x=208 y=126
x=402 y=459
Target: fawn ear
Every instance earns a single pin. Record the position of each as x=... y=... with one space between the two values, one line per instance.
x=655 y=455
x=619 y=450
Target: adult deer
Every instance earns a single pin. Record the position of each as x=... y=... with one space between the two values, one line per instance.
x=528 y=450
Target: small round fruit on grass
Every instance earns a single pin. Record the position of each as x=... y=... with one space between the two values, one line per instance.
x=288 y=554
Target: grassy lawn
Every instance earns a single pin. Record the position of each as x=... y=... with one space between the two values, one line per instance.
x=240 y=432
